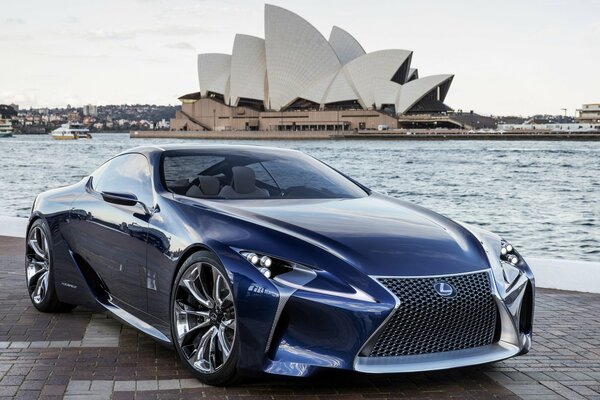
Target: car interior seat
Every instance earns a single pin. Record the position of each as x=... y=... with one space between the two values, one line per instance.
x=206 y=186
x=243 y=185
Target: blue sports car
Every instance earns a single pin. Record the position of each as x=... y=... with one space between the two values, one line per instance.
x=253 y=259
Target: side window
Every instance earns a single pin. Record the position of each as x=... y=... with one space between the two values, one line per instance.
x=127 y=173
x=261 y=174
x=187 y=167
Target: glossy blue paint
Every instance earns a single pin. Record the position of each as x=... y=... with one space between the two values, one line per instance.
x=120 y=256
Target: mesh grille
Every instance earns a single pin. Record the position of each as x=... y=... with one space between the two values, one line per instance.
x=426 y=322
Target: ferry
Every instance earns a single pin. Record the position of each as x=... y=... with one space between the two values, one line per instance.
x=5 y=128
x=71 y=131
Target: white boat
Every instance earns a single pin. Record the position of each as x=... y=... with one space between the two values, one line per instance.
x=71 y=131
x=5 y=128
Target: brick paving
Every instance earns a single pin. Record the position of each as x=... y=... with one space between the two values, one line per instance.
x=87 y=355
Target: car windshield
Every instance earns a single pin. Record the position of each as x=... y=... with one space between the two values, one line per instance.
x=253 y=175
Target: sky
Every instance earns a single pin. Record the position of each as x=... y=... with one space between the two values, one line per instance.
x=509 y=57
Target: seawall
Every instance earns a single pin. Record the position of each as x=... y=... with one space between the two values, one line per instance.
x=362 y=135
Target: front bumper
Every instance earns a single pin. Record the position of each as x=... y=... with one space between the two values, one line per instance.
x=313 y=332
x=430 y=362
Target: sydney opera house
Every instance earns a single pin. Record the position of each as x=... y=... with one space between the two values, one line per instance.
x=296 y=79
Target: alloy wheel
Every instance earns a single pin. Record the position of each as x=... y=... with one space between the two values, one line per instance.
x=38 y=264
x=204 y=317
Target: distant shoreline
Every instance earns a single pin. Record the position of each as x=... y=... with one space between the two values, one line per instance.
x=364 y=135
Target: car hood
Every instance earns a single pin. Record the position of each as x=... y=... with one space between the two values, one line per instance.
x=379 y=235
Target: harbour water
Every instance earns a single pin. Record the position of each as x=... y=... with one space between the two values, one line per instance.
x=542 y=196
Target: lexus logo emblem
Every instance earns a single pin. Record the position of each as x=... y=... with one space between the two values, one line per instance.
x=444 y=289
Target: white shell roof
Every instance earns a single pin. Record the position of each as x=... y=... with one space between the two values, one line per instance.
x=341 y=89
x=296 y=61
x=298 y=56
x=410 y=93
x=382 y=64
x=346 y=47
x=248 y=68
x=385 y=91
x=213 y=73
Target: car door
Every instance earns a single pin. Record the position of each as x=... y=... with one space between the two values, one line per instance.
x=111 y=237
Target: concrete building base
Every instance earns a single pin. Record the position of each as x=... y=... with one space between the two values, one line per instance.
x=360 y=135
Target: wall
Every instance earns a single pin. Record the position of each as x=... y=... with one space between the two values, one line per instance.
x=218 y=116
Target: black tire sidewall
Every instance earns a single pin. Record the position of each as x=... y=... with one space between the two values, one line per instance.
x=228 y=372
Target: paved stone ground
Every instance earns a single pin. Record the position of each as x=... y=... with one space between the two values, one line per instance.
x=85 y=355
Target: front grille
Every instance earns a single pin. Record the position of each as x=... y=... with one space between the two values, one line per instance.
x=427 y=322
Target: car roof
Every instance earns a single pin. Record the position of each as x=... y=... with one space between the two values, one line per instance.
x=200 y=147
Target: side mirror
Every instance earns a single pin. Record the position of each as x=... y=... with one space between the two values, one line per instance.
x=124 y=199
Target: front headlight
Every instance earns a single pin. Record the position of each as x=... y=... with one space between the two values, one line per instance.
x=296 y=276
x=272 y=267
x=509 y=260
x=508 y=266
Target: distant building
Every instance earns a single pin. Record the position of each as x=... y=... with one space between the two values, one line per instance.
x=73 y=116
x=90 y=110
x=553 y=127
x=296 y=79
x=15 y=106
x=162 y=124
x=589 y=113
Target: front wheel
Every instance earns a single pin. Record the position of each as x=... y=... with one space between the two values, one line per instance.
x=203 y=319
x=39 y=269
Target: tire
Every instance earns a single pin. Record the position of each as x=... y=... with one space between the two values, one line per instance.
x=203 y=325
x=39 y=271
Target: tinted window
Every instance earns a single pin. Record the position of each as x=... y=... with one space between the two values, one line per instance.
x=128 y=173
x=182 y=167
x=258 y=175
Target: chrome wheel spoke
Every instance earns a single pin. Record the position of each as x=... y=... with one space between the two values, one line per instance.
x=41 y=288
x=188 y=326
x=196 y=313
x=223 y=345
x=212 y=350
x=191 y=288
x=35 y=270
x=229 y=324
x=44 y=280
x=202 y=360
x=38 y=243
x=217 y=288
x=227 y=299
x=188 y=335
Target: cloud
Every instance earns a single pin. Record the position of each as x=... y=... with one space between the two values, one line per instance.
x=15 y=37
x=102 y=34
x=72 y=55
x=167 y=30
x=13 y=20
x=25 y=96
x=181 y=46
x=177 y=30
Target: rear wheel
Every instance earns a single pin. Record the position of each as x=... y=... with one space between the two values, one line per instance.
x=204 y=319
x=39 y=271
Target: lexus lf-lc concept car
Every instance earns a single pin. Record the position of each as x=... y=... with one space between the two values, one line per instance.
x=253 y=259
